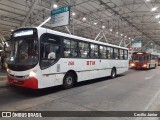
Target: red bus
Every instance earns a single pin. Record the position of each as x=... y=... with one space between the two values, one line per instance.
x=158 y=61
x=143 y=60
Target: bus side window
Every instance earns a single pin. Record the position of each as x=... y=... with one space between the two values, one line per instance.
x=121 y=54
x=116 y=53
x=108 y=53
x=50 y=49
x=70 y=48
x=94 y=51
x=125 y=54
x=84 y=50
x=103 y=52
x=111 y=53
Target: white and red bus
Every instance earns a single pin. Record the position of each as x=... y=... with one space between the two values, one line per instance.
x=43 y=58
x=143 y=60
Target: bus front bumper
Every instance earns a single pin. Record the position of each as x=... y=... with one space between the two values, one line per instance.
x=30 y=82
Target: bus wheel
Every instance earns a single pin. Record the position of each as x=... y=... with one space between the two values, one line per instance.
x=68 y=81
x=113 y=73
x=149 y=66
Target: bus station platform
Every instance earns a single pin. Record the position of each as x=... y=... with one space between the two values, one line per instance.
x=3 y=79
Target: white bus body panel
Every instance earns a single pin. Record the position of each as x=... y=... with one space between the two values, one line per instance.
x=53 y=77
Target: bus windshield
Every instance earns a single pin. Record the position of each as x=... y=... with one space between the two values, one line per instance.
x=139 y=58
x=24 y=52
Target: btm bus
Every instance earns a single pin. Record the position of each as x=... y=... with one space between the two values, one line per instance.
x=42 y=58
x=143 y=60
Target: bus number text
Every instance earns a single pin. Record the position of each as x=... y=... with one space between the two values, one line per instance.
x=71 y=63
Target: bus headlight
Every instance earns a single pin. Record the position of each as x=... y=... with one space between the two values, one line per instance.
x=32 y=74
x=132 y=64
x=144 y=65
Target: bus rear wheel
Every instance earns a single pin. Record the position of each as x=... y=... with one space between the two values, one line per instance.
x=113 y=73
x=68 y=81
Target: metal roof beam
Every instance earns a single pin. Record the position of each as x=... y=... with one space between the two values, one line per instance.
x=29 y=13
x=123 y=18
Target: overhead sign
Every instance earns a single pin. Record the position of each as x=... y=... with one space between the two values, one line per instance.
x=60 y=17
x=136 y=43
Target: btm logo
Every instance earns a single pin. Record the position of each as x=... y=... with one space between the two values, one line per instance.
x=6 y=114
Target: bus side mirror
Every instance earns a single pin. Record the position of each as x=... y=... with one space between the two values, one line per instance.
x=7 y=47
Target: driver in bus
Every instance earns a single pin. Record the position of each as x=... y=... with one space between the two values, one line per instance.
x=51 y=55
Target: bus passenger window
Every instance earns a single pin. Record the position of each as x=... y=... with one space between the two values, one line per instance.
x=108 y=53
x=121 y=54
x=103 y=52
x=111 y=53
x=84 y=50
x=125 y=54
x=70 y=48
x=94 y=51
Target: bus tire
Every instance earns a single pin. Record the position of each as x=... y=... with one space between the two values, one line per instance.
x=113 y=73
x=149 y=67
x=68 y=81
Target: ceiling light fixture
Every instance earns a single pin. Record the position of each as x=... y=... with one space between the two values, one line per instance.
x=73 y=13
x=157 y=16
x=103 y=26
x=154 y=9
x=84 y=19
x=55 y=6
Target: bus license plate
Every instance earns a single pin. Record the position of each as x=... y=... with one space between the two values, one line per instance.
x=15 y=80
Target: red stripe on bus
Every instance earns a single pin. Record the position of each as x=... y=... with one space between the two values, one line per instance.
x=28 y=83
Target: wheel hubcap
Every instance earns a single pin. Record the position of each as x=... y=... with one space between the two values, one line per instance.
x=113 y=74
x=69 y=80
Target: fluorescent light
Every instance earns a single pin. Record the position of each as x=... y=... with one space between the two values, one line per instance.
x=157 y=16
x=116 y=32
x=12 y=30
x=73 y=13
x=159 y=22
x=129 y=38
x=125 y=36
x=148 y=0
x=103 y=26
x=55 y=6
x=111 y=30
x=44 y=22
x=95 y=23
x=84 y=19
x=121 y=34
x=154 y=9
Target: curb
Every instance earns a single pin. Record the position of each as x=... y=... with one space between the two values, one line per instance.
x=3 y=83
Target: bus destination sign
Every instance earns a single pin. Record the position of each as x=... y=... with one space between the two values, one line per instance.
x=23 y=33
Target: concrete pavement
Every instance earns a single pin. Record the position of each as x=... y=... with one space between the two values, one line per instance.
x=3 y=79
x=138 y=90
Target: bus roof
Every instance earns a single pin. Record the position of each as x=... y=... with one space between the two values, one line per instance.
x=45 y=30
x=142 y=53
